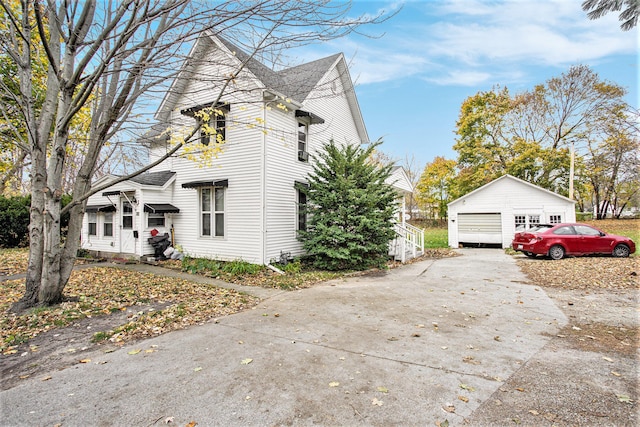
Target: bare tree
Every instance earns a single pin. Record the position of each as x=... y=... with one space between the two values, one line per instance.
x=413 y=170
x=119 y=57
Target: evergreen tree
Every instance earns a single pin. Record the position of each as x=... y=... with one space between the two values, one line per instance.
x=350 y=209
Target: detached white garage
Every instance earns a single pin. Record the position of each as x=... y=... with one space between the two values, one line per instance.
x=490 y=214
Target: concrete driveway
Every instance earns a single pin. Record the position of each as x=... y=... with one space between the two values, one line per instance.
x=423 y=343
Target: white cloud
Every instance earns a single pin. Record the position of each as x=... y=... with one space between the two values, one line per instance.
x=475 y=39
x=460 y=78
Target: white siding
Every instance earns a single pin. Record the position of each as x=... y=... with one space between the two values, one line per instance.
x=113 y=244
x=259 y=159
x=508 y=196
x=240 y=163
x=284 y=168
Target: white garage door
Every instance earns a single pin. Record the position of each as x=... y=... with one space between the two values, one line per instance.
x=480 y=228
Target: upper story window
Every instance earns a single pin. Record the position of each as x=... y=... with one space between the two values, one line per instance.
x=212 y=120
x=213 y=127
x=303 y=135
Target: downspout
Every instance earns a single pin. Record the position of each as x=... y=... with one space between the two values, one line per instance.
x=263 y=189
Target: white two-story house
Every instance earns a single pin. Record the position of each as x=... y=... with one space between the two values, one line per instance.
x=244 y=203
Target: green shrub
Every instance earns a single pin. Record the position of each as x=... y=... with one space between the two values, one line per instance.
x=209 y=267
x=14 y=217
x=350 y=207
x=294 y=267
x=240 y=268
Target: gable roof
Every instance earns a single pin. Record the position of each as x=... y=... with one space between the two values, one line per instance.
x=300 y=80
x=400 y=180
x=154 y=178
x=295 y=82
x=513 y=178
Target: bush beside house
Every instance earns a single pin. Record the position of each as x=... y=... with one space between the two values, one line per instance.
x=350 y=210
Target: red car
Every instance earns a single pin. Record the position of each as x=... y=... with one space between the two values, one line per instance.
x=559 y=240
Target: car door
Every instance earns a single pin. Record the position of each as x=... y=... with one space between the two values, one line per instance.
x=591 y=240
x=567 y=237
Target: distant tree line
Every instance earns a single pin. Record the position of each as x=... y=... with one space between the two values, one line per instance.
x=534 y=135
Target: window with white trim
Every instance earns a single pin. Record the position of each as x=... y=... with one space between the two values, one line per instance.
x=555 y=219
x=212 y=211
x=155 y=220
x=107 y=225
x=127 y=215
x=302 y=210
x=303 y=135
x=524 y=222
x=93 y=223
x=213 y=128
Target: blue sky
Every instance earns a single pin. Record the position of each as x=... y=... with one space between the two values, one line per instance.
x=436 y=53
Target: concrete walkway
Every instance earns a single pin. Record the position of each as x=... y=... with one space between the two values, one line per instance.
x=419 y=344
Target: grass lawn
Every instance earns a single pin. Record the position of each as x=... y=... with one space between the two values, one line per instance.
x=436 y=238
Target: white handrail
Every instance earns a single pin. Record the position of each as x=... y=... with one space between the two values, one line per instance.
x=412 y=235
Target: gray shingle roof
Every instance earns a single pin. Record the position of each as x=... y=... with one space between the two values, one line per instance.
x=154 y=178
x=299 y=81
x=295 y=82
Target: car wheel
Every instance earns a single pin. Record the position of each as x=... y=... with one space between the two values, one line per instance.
x=621 y=251
x=556 y=252
x=530 y=254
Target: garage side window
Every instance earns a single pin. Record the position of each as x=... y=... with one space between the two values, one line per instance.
x=534 y=220
x=555 y=219
x=520 y=222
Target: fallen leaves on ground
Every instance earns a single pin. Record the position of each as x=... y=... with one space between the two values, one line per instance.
x=104 y=290
x=583 y=272
x=13 y=261
x=601 y=337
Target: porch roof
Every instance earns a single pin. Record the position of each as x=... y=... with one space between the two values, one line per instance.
x=100 y=208
x=115 y=192
x=160 y=208
x=208 y=183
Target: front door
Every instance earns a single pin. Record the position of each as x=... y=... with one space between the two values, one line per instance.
x=127 y=219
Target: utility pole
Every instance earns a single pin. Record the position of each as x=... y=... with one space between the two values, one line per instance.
x=573 y=155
